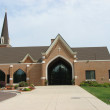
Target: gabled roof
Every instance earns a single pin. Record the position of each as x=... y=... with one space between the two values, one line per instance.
x=4 y=32
x=17 y=54
x=92 y=53
x=59 y=37
x=26 y=57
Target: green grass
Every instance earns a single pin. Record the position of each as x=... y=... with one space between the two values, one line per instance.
x=100 y=92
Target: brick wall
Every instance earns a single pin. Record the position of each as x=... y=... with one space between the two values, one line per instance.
x=101 y=70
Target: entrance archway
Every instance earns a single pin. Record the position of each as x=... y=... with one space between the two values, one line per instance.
x=59 y=72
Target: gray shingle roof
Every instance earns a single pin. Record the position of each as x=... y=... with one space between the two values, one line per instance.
x=16 y=54
x=92 y=53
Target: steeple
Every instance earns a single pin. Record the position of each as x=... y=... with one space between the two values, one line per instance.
x=4 y=40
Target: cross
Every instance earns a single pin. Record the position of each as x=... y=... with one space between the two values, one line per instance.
x=59 y=49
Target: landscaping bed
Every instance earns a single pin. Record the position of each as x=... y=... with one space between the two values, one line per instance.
x=22 y=86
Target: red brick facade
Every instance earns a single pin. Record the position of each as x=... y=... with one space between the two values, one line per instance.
x=37 y=72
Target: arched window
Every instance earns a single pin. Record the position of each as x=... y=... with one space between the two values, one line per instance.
x=2 y=40
x=2 y=76
x=19 y=76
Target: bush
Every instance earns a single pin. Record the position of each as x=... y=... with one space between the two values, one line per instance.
x=89 y=83
x=46 y=82
x=94 y=84
x=32 y=85
x=106 y=85
x=23 y=84
x=16 y=86
x=84 y=83
x=72 y=81
x=26 y=89
x=2 y=84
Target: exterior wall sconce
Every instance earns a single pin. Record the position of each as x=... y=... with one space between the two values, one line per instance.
x=11 y=79
x=27 y=78
x=28 y=65
x=11 y=66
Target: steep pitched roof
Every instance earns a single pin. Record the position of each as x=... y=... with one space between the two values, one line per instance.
x=28 y=57
x=16 y=54
x=59 y=37
x=4 y=32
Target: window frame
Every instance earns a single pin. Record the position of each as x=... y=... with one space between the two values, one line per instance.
x=109 y=74
x=90 y=75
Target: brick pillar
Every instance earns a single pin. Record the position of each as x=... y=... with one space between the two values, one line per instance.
x=43 y=74
x=27 y=71
x=11 y=74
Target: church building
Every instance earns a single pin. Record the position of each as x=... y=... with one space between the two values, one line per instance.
x=56 y=64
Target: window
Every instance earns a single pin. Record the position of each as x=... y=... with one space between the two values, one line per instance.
x=109 y=74
x=2 y=40
x=2 y=76
x=19 y=76
x=90 y=75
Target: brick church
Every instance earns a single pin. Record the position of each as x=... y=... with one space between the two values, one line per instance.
x=57 y=64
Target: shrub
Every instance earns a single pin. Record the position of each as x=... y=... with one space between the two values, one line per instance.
x=84 y=83
x=106 y=85
x=72 y=81
x=46 y=82
x=23 y=84
x=2 y=84
x=89 y=83
x=100 y=85
x=32 y=85
x=16 y=86
x=94 y=84
x=26 y=89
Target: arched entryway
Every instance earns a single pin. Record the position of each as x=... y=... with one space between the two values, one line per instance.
x=19 y=76
x=2 y=76
x=59 y=72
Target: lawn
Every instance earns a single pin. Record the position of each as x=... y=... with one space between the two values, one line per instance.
x=100 y=92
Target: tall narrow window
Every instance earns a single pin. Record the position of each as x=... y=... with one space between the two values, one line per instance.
x=90 y=75
x=8 y=78
x=2 y=40
x=109 y=74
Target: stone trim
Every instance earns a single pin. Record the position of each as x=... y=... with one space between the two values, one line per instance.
x=63 y=41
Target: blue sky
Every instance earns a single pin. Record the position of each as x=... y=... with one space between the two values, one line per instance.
x=82 y=23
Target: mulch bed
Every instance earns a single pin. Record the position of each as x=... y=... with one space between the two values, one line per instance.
x=5 y=95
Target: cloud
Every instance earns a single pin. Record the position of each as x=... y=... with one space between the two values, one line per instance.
x=80 y=22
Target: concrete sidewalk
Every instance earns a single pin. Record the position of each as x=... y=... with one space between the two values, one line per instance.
x=54 y=98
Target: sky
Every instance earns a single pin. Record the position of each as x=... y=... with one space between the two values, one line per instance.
x=82 y=23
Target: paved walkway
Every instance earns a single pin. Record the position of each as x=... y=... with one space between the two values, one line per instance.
x=6 y=95
x=54 y=98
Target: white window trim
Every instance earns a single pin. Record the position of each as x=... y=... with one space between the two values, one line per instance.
x=90 y=80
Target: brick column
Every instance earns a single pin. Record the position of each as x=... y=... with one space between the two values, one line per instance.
x=27 y=71
x=11 y=74
x=43 y=78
